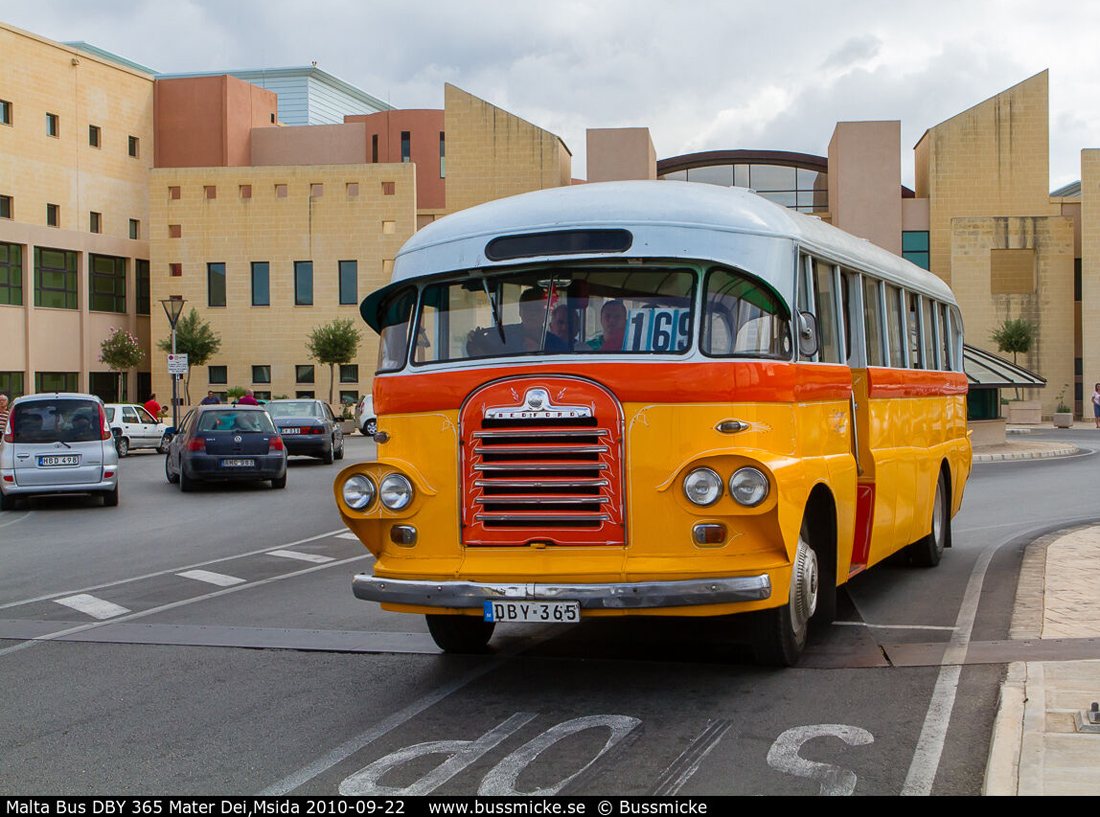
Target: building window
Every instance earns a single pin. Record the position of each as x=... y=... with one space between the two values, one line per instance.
x=141 y=286
x=374 y=148
x=246 y=191
x=261 y=374
x=11 y=275
x=53 y=215
x=105 y=386
x=389 y=188
x=56 y=381
x=303 y=395
x=5 y=112
x=53 y=125
x=304 y=373
x=55 y=283
x=388 y=227
x=6 y=207
x=106 y=283
x=93 y=135
x=209 y=192
x=135 y=228
x=280 y=191
x=175 y=270
x=173 y=193
x=175 y=230
x=217 y=374
x=261 y=285
x=303 y=283
x=11 y=384
x=406 y=146
x=316 y=190
x=349 y=282
x=353 y=189
x=215 y=284
x=914 y=247
x=349 y=397
x=95 y=222
x=349 y=373
x=442 y=156
x=133 y=146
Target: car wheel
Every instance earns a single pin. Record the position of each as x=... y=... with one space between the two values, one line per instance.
x=279 y=482
x=460 y=634
x=165 y=442
x=340 y=449
x=928 y=551
x=371 y=428
x=327 y=455
x=169 y=474
x=110 y=499
x=122 y=445
x=779 y=634
x=187 y=485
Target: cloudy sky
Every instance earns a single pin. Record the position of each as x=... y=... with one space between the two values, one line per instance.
x=701 y=74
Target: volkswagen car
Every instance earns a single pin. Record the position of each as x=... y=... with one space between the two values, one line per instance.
x=226 y=444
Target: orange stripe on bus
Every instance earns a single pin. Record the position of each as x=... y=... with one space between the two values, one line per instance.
x=698 y=382
x=910 y=383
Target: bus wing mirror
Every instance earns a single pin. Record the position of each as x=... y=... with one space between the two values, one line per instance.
x=807 y=334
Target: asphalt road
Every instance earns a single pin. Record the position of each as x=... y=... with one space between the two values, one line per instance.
x=235 y=660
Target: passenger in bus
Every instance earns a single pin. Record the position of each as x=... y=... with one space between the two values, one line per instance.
x=526 y=336
x=613 y=322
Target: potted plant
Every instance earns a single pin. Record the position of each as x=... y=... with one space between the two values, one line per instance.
x=1063 y=416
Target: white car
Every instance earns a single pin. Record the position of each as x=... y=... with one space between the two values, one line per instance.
x=365 y=418
x=134 y=427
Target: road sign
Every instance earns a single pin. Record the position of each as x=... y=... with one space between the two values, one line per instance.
x=177 y=364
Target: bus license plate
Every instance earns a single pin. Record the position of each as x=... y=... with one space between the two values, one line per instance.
x=538 y=612
x=239 y=463
x=67 y=459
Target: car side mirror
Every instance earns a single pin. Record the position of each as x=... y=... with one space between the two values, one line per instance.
x=807 y=334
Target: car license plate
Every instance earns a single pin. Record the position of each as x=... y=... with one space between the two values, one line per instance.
x=560 y=612
x=238 y=463
x=290 y=431
x=65 y=459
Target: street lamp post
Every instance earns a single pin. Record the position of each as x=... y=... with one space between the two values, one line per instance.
x=173 y=306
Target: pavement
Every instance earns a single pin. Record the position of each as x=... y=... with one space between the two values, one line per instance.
x=1043 y=743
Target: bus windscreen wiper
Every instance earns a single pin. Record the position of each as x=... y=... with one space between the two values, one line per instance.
x=494 y=308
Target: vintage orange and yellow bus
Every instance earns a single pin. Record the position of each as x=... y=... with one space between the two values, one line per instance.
x=652 y=399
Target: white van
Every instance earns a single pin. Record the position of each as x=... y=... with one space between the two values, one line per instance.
x=57 y=443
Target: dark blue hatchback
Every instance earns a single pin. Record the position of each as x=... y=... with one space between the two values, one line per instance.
x=226 y=444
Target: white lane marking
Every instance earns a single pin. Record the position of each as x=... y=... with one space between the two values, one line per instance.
x=949 y=629
x=833 y=780
x=183 y=603
x=347 y=535
x=220 y=579
x=316 y=558
x=26 y=515
x=926 y=758
x=96 y=608
x=173 y=570
x=675 y=776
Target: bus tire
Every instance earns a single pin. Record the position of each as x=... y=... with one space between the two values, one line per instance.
x=460 y=634
x=928 y=551
x=779 y=634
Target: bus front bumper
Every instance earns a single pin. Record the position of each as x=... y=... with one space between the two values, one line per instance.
x=597 y=596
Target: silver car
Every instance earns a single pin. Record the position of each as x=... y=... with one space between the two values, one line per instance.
x=57 y=443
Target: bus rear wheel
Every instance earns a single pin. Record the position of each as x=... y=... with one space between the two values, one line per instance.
x=779 y=634
x=460 y=634
x=928 y=551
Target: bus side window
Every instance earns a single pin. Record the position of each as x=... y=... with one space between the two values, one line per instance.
x=872 y=322
x=895 y=326
x=915 y=359
x=928 y=336
x=825 y=305
x=946 y=361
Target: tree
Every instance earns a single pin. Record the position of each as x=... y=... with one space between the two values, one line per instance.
x=197 y=340
x=120 y=351
x=1014 y=336
x=334 y=343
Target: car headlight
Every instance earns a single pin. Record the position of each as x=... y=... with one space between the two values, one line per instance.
x=749 y=487
x=396 y=492
x=358 y=492
x=703 y=487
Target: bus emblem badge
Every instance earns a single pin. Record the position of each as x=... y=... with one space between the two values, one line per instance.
x=536 y=404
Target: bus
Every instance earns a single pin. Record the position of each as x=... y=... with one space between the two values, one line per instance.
x=652 y=399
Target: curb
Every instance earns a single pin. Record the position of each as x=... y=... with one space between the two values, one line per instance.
x=1033 y=454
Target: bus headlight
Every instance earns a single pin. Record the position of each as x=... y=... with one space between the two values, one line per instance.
x=703 y=487
x=396 y=492
x=358 y=492
x=749 y=487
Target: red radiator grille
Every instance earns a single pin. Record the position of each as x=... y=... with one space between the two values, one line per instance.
x=550 y=474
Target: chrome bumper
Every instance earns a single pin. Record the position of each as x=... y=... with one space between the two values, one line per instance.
x=603 y=596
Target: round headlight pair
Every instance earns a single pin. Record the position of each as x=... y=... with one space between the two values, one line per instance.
x=748 y=486
x=395 y=492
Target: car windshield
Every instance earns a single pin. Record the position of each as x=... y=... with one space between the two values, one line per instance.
x=598 y=309
x=235 y=421
x=69 y=421
x=294 y=408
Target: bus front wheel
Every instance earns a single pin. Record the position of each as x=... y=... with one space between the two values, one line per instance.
x=779 y=634
x=460 y=634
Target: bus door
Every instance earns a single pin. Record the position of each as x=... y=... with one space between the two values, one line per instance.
x=863 y=308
